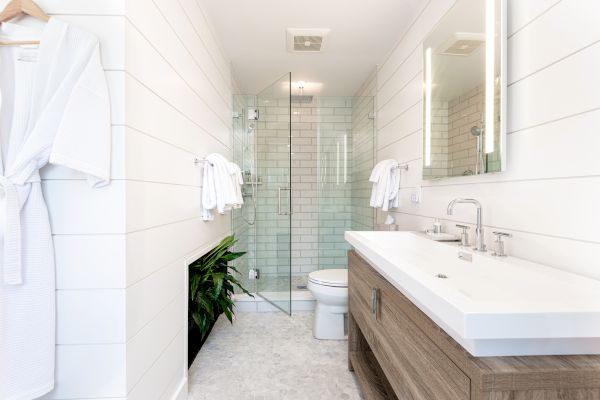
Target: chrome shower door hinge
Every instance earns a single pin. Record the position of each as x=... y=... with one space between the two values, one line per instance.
x=253 y=114
x=253 y=273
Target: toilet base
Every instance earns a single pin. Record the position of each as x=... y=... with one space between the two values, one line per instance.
x=330 y=322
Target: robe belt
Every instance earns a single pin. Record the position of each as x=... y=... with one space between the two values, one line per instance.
x=12 y=232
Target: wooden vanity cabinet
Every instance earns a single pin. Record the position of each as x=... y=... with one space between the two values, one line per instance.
x=397 y=352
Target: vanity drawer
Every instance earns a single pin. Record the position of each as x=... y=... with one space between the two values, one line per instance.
x=415 y=367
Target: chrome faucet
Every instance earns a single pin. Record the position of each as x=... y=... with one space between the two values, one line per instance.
x=479 y=240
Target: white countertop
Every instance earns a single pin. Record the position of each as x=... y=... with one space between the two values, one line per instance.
x=492 y=306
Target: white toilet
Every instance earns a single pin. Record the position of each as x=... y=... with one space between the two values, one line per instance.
x=330 y=288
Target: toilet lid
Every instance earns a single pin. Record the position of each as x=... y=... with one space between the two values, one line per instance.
x=330 y=277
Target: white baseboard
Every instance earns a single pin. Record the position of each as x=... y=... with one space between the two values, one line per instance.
x=182 y=391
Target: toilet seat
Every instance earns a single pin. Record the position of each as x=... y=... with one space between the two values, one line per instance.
x=330 y=277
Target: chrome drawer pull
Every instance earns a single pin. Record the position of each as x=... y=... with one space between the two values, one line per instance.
x=374 y=303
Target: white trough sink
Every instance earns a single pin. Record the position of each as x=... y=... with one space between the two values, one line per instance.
x=491 y=306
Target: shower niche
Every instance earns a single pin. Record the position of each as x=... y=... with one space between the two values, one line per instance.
x=464 y=107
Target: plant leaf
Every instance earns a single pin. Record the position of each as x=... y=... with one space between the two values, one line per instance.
x=212 y=285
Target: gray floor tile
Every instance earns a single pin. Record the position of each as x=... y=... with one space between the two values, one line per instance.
x=270 y=356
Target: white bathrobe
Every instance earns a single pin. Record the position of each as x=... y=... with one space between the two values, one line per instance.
x=55 y=108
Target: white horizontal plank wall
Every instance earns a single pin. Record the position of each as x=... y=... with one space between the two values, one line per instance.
x=178 y=105
x=88 y=227
x=549 y=196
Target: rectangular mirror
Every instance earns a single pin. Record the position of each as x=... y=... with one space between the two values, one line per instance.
x=464 y=123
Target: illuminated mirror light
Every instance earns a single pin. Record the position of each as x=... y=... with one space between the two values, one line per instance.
x=490 y=74
x=428 y=85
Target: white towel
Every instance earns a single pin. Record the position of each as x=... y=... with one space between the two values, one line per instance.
x=386 y=185
x=238 y=183
x=219 y=192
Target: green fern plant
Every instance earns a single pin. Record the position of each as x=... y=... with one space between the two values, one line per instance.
x=212 y=286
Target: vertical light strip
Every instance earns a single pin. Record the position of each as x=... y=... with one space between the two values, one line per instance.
x=337 y=163
x=428 y=85
x=490 y=74
x=345 y=158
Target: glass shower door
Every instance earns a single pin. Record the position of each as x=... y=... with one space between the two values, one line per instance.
x=274 y=205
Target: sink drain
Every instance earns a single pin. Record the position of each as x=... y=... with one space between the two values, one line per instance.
x=441 y=276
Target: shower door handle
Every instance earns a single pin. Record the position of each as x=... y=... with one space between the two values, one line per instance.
x=279 y=210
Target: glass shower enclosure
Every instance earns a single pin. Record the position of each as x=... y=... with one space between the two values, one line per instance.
x=306 y=162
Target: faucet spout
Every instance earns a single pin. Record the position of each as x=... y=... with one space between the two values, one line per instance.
x=480 y=243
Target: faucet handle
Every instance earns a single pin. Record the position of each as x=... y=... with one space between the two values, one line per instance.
x=464 y=236
x=499 y=244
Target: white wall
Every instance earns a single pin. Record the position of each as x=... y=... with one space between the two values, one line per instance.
x=549 y=196
x=122 y=251
x=88 y=226
x=178 y=105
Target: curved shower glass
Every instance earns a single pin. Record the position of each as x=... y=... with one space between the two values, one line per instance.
x=345 y=160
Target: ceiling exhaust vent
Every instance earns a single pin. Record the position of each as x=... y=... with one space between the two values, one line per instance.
x=306 y=40
x=462 y=44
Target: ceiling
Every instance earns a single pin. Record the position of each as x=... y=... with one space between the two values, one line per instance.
x=362 y=32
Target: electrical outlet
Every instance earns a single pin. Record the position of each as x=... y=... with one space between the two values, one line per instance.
x=415 y=196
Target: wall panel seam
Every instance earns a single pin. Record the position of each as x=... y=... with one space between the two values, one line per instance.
x=156 y=314
x=184 y=80
x=155 y=361
x=222 y=54
x=535 y=18
x=555 y=62
x=553 y=121
x=402 y=37
x=225 y=101
x=497 y=227
x=177 y=109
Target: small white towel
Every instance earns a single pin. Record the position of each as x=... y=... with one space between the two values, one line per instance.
x=221 y=189
x=386 y=185
x=238 y=183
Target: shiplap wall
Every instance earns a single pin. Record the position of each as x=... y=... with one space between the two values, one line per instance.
x=122 y=251
x=88 y=226
x=178 y=105
x=549 y=196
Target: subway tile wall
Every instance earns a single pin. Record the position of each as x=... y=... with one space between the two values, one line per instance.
x=332 y=153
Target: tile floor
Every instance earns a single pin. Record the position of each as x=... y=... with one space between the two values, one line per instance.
x=270 y=356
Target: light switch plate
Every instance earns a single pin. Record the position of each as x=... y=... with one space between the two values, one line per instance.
x=415 y=196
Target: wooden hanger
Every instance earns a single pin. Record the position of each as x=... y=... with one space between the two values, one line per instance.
x=22 y=7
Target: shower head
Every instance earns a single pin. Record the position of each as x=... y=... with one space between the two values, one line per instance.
x=476 y=131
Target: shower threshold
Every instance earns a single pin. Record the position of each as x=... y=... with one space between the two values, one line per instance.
x=302 y=300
